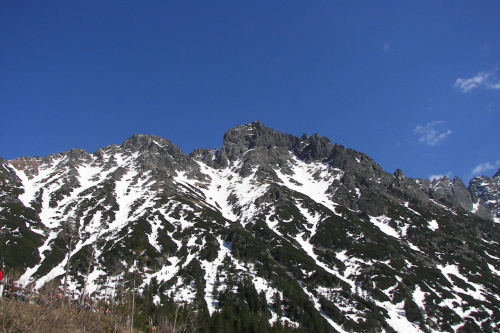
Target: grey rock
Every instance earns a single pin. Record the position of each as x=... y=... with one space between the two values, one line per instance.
x=315 y=148
x=485 y=193
x=461 y=194
x=160 y=156
x=451 y=192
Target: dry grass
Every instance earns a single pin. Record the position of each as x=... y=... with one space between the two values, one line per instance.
x=23 y=317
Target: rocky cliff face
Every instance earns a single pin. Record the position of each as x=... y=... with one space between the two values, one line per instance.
x=297 y=231
x=480 y=197
x=485 y=194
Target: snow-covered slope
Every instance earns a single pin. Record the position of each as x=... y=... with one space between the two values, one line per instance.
x=318 y=236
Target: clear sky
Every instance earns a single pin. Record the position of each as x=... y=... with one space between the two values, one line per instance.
x=413 y=84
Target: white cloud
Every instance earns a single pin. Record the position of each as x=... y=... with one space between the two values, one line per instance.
x=432 y=133
x=386 y=47
x=489 y=80
x=483 y=167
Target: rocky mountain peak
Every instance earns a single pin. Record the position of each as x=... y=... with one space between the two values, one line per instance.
x=159 y=155
x=240 y=139
x=314 y=148
x=358 y=164
x=29 y=166
x=142 y=142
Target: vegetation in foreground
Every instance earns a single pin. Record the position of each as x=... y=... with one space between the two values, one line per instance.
x=59 y=316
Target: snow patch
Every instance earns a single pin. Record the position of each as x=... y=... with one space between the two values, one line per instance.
x=433 y=225
x=397 y=318
x=311 y=179
x=382 y=222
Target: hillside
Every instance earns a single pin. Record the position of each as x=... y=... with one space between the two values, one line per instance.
x=273 y=228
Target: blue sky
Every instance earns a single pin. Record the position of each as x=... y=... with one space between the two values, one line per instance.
x=413 y=84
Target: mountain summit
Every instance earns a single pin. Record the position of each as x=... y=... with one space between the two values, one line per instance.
x=286 y=232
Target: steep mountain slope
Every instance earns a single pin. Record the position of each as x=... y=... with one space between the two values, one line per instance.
x=297 y=231
x=485 y=193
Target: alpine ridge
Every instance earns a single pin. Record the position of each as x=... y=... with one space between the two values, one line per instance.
x=294 y=232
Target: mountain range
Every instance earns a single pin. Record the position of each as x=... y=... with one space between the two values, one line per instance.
x=295 y=232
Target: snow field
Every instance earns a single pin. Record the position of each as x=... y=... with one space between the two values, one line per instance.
x=476 y=291
x=419 y=297
x=217 y=189
x=225 y=183
x=314 y=178
x=89 y=176
x=210 y=269
x=398 y=320
x=33 y=185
